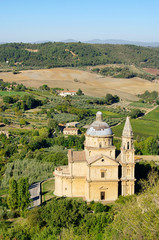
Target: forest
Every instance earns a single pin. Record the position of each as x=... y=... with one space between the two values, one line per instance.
x=58 y=54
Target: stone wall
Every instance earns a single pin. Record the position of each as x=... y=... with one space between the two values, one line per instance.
x=154 y=158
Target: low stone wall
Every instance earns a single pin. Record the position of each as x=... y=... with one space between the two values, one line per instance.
x=154 y=158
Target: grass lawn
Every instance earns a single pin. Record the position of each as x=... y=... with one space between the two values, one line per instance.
x=153 y=116
x=108 y=114
x=140 y=128
x=47 y=190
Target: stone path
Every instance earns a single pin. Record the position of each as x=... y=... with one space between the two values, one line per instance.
x=35 y=193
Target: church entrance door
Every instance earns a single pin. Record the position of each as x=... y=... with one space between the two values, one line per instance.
x=102 y=196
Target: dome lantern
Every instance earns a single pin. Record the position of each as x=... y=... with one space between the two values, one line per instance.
x=99 y=117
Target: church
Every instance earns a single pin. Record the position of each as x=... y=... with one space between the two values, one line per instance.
x=96 y=173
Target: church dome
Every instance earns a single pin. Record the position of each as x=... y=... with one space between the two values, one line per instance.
x=99 y=128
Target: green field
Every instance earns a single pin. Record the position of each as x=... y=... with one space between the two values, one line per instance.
x=47 y=190
x=140 y=128
x=108 y=114
x=12 y=93
x=141 y=105
x=153 y=116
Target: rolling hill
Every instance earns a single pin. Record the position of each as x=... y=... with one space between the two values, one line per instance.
x=60 y=54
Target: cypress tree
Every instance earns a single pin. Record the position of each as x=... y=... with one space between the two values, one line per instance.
x=12 y=199
x=23 y=194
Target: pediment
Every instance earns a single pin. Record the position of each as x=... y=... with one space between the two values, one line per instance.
x=102 y=160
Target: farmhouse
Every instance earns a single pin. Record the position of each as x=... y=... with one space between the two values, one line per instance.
x=70 y=131
x=96 y=173
x=67 y=93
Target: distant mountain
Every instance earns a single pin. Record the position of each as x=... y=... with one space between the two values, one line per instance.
x=69 y=41
x=37 y=42
x=123 y=42
x=116 y=41
x=107 y=41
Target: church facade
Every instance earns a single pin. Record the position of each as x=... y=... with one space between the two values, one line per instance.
x=96 y=173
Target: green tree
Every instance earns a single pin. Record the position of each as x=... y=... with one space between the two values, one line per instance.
x=135 y=113
x=22 y=122
x=8 y=99
x=53 y=126
x=12 y=199
x=79 y=92
x=151 y=145
x=68 y=100
x=10 y=149
x=23 y=194
x=110 y=99
x=64 y=212
x=6 y=121
x=44 y=87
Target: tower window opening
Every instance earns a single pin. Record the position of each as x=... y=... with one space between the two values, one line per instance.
x=128 y=145
x=102 y=174
x=100 y=145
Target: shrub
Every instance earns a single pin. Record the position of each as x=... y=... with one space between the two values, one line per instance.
x=3 y=213
x=135 y=113
x=11 y=214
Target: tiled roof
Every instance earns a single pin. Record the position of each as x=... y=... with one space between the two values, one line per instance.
x=75 y=156
x=67 y=91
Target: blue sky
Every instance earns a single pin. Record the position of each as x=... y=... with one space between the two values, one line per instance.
x=37 y=20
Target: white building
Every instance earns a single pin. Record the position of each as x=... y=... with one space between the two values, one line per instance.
x=67 y=93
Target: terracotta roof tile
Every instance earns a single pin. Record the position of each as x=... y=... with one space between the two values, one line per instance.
x=75 y=156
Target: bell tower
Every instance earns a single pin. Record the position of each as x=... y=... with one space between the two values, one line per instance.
x=127 y=160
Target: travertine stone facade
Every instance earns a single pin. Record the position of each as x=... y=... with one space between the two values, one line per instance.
x=127 y=160
x=94 y=173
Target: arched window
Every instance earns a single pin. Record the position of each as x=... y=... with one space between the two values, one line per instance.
x=100 y=145
x=128 y=145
